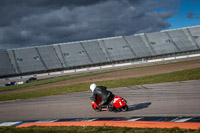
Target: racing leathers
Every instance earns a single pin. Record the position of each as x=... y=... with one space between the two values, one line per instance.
x=102 y=92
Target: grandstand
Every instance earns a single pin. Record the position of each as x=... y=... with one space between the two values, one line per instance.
x=63 y=56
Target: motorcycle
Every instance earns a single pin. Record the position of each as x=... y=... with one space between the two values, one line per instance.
x=118 y=104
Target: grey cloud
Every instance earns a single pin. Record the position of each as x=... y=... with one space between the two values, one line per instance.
x=192 y=15
x=48 y=21
x=13 y=10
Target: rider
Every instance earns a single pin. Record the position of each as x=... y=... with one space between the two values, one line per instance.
x=102 y=92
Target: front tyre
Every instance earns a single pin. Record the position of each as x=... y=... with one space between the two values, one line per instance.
x=97 y=109
x=124 y=108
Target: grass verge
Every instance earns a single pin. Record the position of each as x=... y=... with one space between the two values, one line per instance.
x=86 y=129
x=47 y=81
x=191 y=74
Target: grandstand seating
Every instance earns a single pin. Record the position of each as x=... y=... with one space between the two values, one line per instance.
x=195 y=34
x=50 y=57
x=118 y=49
x=6 y=66
x=95 y=52
x=12 y=61
x=28 y=60
x=99 y=51
x=161 y=43
x=181 y=40
x=75 y=55
x=138 y=46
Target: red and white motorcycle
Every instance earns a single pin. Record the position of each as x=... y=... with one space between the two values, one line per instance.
x=118 y=103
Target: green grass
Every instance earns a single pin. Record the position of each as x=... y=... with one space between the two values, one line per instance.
x=191 y=74
x=47 y=81
x=86 y=129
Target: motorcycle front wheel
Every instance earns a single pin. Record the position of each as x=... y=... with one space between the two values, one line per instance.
x=124 y=108
x=97 y=109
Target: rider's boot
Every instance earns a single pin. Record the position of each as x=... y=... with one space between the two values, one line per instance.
x=104 y=106
x=110 y=107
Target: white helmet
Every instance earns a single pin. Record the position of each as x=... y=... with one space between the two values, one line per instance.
x=93 y=86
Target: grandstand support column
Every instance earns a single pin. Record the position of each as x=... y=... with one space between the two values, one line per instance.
x=106 y=49
x=173 y=41
x=149 y=45
x=11 y=62
x=63 y=65
x=87 y=53
x=60 y=55
x=192 y=39
x=61 y=52
x=38 y=52
x=133 y=52
x=15 y=59
x=103 y=50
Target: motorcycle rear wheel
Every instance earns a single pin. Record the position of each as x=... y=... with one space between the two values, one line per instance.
x=97 y=109
x=124 y=108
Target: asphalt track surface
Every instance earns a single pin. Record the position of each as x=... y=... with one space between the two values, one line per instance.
x=164 y=99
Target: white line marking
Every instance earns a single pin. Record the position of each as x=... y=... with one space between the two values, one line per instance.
x=46 y=121
x=9 y=123
x=89 y=120
x=181 y=119
x=135 y=119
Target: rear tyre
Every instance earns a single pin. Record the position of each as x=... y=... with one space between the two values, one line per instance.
x=124 y=108
x=97 y=109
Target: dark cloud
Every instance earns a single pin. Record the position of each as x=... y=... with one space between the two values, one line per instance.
x=195 y=0
x=192 y=15
x=38 y=22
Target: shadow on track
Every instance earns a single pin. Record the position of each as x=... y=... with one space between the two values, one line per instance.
x=139 y=106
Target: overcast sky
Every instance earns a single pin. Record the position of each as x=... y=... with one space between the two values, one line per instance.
x=26 y=23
